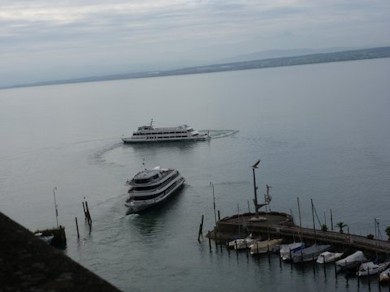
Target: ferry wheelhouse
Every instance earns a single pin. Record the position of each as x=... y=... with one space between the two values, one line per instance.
x=151 y=134
x=151 y=187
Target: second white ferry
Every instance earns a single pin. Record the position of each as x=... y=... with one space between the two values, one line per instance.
x=152 y=134
x=151 y=187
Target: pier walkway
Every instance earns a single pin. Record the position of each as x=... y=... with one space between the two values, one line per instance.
x=281 y=225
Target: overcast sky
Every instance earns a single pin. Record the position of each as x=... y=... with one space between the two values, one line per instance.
x=47 y=40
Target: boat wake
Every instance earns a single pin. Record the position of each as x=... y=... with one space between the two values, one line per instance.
x=98 y=156
x=214 y=134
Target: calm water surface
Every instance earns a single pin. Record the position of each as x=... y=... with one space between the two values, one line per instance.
x=321 y=132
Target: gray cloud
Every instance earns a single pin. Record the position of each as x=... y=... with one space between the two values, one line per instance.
x=72 y=36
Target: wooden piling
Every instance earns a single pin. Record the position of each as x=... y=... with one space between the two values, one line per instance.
x=77 y=228
x=87 y=215
x=325 y=270
x=268 y=254
x=85 y=212
x=200 y=233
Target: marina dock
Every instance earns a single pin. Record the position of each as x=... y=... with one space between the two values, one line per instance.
x=281 y=225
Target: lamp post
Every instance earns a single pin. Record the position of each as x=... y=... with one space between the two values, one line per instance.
x=254 y=166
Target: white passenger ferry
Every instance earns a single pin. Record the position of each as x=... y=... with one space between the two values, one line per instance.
x=152 y=134
x=151 y=187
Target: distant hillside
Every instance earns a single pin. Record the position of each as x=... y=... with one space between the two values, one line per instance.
x=272 y=54
x=383 y=52
x=373 y=53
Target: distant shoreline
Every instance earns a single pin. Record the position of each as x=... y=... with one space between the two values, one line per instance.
x=350 y=55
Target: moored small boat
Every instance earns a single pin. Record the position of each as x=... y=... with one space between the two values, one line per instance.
x=54 y=236
x=351 y=262
x=287 y=249
x=45 y=238
x=384 y=276
x=328 y=257
x=371 y=268
x=310 y=253
x=264 y=246
x=241 y=243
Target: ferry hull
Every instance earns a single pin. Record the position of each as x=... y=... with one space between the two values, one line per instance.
x=130 y=140
x=141 y=206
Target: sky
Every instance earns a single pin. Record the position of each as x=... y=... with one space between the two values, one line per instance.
x=44 y=40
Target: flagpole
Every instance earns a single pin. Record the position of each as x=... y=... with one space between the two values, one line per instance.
x=55 y=204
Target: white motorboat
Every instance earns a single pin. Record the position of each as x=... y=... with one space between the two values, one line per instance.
x=45 y=238
x=352 y=261
x=384 y=276
x=242 y=243
x=264 y=246
x=287 y=249
x=328 y=257
x=310 y=253
x=151 y=187
x=371 y=268
x=149 y=134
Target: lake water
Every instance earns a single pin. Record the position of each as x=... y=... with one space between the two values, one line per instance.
x=321 y=132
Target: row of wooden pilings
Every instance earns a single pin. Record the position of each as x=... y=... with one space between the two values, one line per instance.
x=87 y=218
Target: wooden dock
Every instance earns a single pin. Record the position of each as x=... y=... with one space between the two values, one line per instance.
x=281 y=225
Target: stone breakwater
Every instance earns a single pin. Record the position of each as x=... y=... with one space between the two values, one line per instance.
x=29 y=264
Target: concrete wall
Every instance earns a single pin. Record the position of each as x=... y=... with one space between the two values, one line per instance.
x=29 y=264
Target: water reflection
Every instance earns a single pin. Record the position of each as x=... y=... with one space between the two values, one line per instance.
x=153 y=220
x=271 y=271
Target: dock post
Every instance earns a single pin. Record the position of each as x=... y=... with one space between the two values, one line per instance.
x=77 y=228
x=85 y=212
x=314 y=265
x=331 y=220
x=269 y=255
x=324 y=270
x=219 y=215
x=209 y=243
x=200 y=233
x=88 y=214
